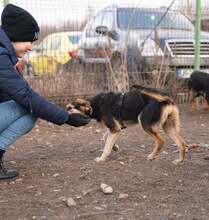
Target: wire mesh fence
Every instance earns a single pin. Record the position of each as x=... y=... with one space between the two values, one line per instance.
x=90 y=46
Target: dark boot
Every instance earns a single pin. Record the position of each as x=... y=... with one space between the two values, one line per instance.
x=4 y=173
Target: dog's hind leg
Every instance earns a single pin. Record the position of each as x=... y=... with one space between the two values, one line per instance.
x=206 y=107
x=111 y=139
x=171 y=127
x=192 y=96
x=154 y=133
x=149 y=126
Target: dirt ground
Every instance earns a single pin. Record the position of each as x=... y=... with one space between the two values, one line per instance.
x=56 y=163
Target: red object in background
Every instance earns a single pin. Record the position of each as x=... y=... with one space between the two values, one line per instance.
x=20 y=66
x=73 y=53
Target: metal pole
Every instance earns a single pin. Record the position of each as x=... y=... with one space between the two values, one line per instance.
x=197 y=34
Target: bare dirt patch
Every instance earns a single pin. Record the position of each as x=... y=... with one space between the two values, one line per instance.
x=56 y=163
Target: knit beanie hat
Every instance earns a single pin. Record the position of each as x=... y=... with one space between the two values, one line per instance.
x=18 y=24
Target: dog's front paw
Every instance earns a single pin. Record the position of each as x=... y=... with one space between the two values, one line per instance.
x=151 y=157
x=99 y=159
x=178 y=162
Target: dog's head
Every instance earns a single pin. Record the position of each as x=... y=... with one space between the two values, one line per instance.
x=80 y=105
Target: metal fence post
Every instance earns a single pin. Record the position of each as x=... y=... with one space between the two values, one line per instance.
x=197 y=34
x=197 y=40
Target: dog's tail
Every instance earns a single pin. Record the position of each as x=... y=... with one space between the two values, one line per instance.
x=154 y=94
x=158 y=97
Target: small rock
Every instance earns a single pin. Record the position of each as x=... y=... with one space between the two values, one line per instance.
x=12 y=182
x=30 y=187
x=142 y=146
x=205 y=145
x=104 y=206
x=56 y=174
x=98 y=208
x=144 y=197
x=106 y=189
x=38 y=193
x=85 y=192
x=165 y=152
x=70 y=202
x=97 y=131
x=19 y=180
x=12 y=162
x=123 y=196
x=57 y=190
x=62 y=198
x=122 y=163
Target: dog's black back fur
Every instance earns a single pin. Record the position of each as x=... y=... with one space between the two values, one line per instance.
x=199 y=82
x=108 y=104
x=106 y=107
x=149 y=89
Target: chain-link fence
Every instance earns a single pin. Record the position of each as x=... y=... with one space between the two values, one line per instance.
x=91 y=46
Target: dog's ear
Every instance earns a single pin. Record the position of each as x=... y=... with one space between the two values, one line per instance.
x=69 y=106
x=83 y=105
x=80 y=102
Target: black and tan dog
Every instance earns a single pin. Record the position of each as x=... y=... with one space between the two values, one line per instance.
x=150 y=106
x=198 y=85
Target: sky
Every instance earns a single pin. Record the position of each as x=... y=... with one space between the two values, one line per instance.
x=55 y=12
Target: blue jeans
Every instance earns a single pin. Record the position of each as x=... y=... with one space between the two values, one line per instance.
x=15 y=121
